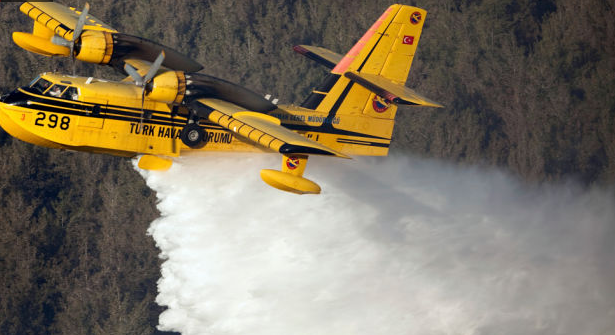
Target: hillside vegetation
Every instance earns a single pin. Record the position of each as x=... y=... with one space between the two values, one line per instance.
x=528 y=86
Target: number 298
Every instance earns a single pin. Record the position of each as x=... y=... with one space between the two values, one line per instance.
x=52 y=121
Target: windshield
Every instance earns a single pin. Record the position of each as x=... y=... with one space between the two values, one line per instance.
x=40 y=86
x=34 y=81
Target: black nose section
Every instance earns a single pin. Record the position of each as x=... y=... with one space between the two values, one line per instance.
x=15 y=98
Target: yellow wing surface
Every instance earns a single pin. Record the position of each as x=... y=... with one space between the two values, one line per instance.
x=60 y=19
x=261 y=129
x=58 y=30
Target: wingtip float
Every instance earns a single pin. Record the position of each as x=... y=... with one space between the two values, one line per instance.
x=164 y=109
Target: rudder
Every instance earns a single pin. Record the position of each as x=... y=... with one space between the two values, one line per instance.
x=388 y=47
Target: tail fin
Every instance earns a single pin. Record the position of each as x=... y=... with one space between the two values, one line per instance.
x=388 y=47
x=386 y=50
x=363 y=89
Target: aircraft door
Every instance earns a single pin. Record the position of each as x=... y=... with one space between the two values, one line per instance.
x=94 y=116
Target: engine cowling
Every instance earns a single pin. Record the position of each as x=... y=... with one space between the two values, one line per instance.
x=95 y=47
x=168 y=87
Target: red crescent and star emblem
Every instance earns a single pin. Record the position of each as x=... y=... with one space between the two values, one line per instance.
x=380 y=105
x=292 y=163
x=415 y=18
x=408 y=39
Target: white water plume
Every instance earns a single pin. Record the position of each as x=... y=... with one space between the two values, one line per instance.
x=391 y=246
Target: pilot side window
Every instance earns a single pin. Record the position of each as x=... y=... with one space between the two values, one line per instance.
x=71 y=93
x=56 y=91
x=40 y=86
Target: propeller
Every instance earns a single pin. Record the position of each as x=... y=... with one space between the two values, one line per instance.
x=143 y=82
x=57 y=40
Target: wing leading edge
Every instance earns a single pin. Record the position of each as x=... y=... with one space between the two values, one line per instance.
x=259 y=128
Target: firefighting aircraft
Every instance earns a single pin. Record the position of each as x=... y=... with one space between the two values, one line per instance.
x=164 y=108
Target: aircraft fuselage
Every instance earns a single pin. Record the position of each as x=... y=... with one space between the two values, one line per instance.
x=87 y=114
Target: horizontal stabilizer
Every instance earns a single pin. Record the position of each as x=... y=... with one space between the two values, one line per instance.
x=396 y=93
x=322 y=56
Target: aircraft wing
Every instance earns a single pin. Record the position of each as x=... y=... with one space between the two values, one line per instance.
x=112 y=47
x=259 y=128
x=128 y=47
x=60 y=19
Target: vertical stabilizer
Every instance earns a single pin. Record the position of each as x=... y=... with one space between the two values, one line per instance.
x=363 y=89
x=386 y=49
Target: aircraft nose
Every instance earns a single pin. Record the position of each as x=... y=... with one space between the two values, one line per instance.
x=15 y=98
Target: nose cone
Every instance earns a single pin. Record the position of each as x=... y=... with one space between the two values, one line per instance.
x=17 y=120
x=3 y=97
x=16 y=98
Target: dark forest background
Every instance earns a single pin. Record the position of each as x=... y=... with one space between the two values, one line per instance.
x=528 y=86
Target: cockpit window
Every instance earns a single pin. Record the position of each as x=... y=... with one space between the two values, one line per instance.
x=71 y=93
x=40 y=85
x=56 y=90
x=34 y=81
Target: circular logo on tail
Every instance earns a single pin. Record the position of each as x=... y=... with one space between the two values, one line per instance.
x=415 y=18
x=380 y=104
x=292 y=163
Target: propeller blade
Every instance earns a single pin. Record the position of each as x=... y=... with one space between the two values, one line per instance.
x=154 y=68
x=134 y=74
x=72 y=57
x=57 y=40
x=77 y=33
x=144 y=115
x=79 y=27
x=142 y=98
x=174 y=139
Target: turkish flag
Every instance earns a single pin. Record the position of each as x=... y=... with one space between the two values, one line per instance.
x=408 y=39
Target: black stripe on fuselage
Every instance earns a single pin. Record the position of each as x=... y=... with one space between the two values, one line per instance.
x=366 y=143
x=43 y=103
x=331 y=130
x=69 y=107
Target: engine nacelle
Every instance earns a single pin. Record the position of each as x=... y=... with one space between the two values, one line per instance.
x=168 y=87
x=95 y=47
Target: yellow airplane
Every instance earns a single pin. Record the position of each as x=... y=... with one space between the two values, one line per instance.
x=164 y=108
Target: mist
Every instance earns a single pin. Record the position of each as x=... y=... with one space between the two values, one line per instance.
x=393 y=245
